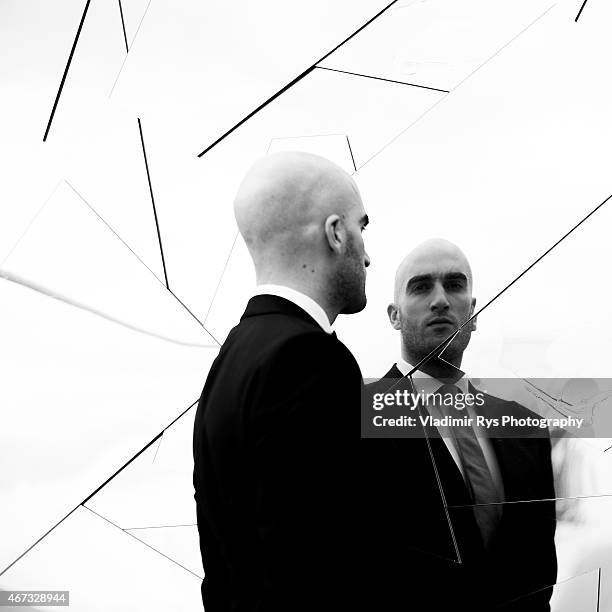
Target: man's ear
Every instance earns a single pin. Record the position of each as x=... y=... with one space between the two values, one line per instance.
x=394 y=316
x=334 y=233
x=473 y=323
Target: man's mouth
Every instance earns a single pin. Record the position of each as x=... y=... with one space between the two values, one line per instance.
x=440 y=321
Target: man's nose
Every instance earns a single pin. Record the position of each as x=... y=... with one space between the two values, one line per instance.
x=439 y=300
x=366 y=261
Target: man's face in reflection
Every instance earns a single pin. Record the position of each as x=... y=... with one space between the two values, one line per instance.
x=433 y=297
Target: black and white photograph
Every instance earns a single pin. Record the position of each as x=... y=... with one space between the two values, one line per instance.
x=231 y=232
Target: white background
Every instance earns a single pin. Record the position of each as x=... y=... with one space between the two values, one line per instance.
x=98 y=357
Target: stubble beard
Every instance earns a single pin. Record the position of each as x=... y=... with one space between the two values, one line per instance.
x=418 y=347
x=349 y=282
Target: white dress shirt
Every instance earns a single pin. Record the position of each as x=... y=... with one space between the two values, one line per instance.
x=300 y=299
x=427 y=384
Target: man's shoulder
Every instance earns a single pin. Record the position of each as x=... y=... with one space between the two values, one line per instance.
x=282 y=341
x=262 y=365
x=391 y=379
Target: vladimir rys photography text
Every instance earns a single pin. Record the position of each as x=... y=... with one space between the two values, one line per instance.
x=495 y=408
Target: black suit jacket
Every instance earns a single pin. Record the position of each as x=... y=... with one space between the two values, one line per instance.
x=271 y=488
x=420 y=558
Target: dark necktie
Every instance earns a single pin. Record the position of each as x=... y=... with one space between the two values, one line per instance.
x=477 y=474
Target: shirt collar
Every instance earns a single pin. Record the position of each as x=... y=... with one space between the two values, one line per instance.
x=425 y=382
x=306 y=303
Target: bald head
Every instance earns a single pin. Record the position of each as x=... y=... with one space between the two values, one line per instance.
x=285 y=196
x=301 y=217
x=430 y=255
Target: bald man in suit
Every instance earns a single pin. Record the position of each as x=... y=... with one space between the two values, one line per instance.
x=468 y=529
x=271 y=479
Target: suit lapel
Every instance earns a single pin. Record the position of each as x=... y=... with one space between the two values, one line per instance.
x=393 y=372
x=438 y=480
x=455 y=490
x=444 y=466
